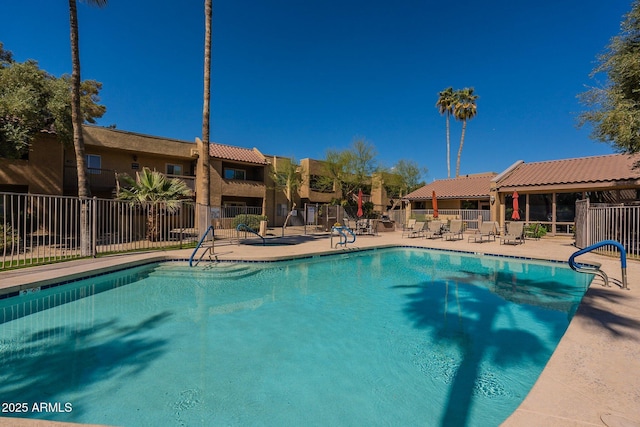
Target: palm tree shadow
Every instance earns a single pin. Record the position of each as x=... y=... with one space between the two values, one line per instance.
x=613 y=323
x=52 y=362
x=474 y=334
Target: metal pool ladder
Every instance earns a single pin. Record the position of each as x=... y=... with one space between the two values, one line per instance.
x=582 y=268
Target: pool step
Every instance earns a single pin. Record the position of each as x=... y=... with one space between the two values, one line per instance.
x=212 y=271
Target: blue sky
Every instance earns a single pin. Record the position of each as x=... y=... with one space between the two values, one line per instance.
x=298 y=77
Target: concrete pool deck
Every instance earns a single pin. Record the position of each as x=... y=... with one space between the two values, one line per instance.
x=592 y=378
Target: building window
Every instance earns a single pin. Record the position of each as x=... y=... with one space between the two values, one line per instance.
x=230 y=173
x=540 y=207
x=469 y=204
x=94 y=163
x=282 y=209
x=566 y=206
x=174 y=169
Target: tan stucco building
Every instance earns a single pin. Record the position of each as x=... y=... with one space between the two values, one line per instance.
x=546 y=191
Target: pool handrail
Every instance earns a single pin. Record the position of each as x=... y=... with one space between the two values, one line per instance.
x=210 y=248
x=246 y=228
x=590 y=269
x=340 y=229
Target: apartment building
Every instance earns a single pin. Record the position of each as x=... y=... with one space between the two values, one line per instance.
x=240 y=178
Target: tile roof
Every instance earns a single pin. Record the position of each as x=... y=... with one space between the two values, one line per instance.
x=464 y=187
x=228 y=152
x=585 y=170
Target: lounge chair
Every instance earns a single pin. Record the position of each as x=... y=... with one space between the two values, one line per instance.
x=408 y=227
x=486 y=233
x=418 y=230
x=515 y=234
x=455 y=230
x=434 y=230
x=367 y=227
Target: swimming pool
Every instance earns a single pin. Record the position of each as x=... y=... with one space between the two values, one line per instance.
x=387 y=337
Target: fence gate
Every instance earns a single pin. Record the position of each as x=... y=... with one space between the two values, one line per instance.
x=321 y=217
x=582 y=223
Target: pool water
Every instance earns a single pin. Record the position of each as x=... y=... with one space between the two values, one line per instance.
x=405 y=337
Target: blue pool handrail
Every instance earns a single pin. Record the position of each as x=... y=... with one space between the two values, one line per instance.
x=210 y=248
x=343 y=236
x=589 y=269
x=245 y=227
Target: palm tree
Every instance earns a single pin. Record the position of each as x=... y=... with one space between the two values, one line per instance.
x=154 y=190
x=77 y=119
x=464 y=109
x=206 y=110
x=76 y=114
x=445 y=105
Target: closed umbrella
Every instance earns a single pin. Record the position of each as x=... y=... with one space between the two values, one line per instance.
x=434 y=202
x=360 y=213
x=515 y=215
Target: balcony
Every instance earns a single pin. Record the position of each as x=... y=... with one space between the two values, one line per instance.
x=100 y=180
x=243 y=188
x=103 y=181
x=189 y=180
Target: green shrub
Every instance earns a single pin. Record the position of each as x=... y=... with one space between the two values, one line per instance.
x=8 y=238
x=530 y=230
x=251 y=221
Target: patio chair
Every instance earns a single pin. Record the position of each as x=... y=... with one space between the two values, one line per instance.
x=373 y=227
x=418 y=230
x=455 y=230
x=515 y=234
x=532 y=233
x=368 y=227
x=434 y=230
x=408 y=227
x=486 y=233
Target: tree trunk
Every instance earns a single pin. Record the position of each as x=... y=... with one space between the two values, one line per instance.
x=448 y=148
x=206 y=109
x=153 y=234
x=78 y=141
x=203 y=197
x=464 y=128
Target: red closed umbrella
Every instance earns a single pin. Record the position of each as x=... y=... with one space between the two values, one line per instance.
x=434 y=203
x=360 y=213
x=515 y=214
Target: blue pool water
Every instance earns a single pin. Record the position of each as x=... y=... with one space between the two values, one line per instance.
x=405 y=337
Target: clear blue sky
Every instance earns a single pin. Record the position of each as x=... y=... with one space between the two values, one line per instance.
x=298 y=77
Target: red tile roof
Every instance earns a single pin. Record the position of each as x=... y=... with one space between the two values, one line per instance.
x=464 y=187
x=585 y=170
x=228 y=152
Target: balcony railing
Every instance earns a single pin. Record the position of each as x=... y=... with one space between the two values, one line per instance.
x=105 y=179
x=189 y=180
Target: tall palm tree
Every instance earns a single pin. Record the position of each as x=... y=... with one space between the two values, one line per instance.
x=77 y=119
x=76 y=113
x=206 y=110
x=464 y=109
x=446 y=100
